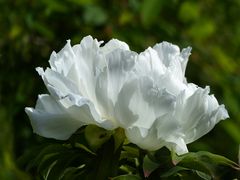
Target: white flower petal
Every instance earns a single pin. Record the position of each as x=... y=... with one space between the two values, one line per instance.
x=124 y=115
x=166 y=51
x=50 y=119
x=173 y=59
x=186 y=52
x=88 y=64
x=82 y=109
x=142 y=102
x=112 y=45
x=148 y=62
x=62 y=61
x=164 y=132
x=144 y=138
x=58 y=85
x=110 y=81
x=120 y=64
x=177 y=144
x=198 y=114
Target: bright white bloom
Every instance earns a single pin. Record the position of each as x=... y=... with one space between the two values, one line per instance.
x=111 y=86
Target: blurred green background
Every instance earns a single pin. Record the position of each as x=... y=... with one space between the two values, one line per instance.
x=31 y=29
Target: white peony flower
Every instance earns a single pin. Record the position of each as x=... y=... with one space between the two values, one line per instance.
x=111 y=86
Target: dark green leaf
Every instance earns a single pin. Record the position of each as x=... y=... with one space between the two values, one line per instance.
x=127 y=177
x=50 y=149
x=149 y=166
x=184 y=173
x=215 y=165
x=119 y=137
x=173 y=171
x=106 y=163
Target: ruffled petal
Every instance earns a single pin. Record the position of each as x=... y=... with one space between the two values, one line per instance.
x=119 y=69
x=144 y=138
x=113 y=45
x=166 y=51
x=173 y=59
x=198 y=114
x=89 y=63
x=163 y=132
x=110 y=81
x=149 y=63
x=141 y=101
x=49 y=119
x=62 y=61
x=57 y=84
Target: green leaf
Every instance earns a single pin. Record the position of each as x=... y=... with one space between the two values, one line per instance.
x=105 y=164
x=203 y=175
x=72 y=173
x=162 y=157
x=119 y=137
x=47 y=162
x=35 y=156
x=61 y=165
x=173 y=171
x=149 y=166
x=96 y=136
x=127 y=177
x=214 y=165
x=184 y=173
x=50 y=149
x=131 y=151
x=28 y=156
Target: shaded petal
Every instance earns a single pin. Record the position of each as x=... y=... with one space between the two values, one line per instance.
x=50 y=119
x=148 y=63
x=173 y=59
x=110 y=81
x=185 y=53
x=88 y=64
x=163 y=132
x=177 y=144
x=105 y=103
x=62 y=61
x=84 y=110
x=198 y=114
x=142 y=101
x=166 y=51
x=170 y=83
x=124 y=115
x=144 y=138
x=57 y=84
x=112 y=45
x=120 y=64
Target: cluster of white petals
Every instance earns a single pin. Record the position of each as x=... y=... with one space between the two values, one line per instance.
x=111 y=86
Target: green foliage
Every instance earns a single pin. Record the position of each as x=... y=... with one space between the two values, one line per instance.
x=69 y=160
x=199 y=165
x=31 y=30
x=127 y=177
x=216 y=166
x=96 y=136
